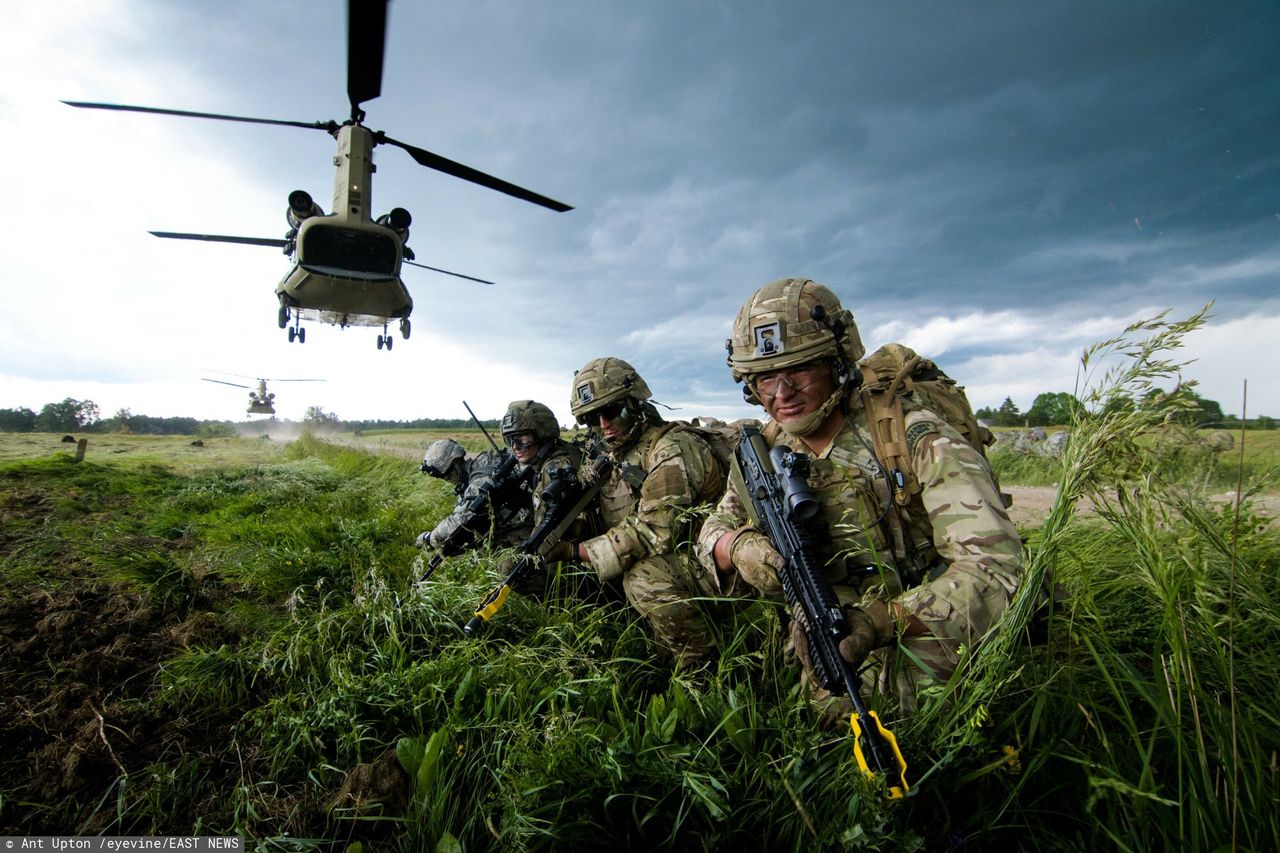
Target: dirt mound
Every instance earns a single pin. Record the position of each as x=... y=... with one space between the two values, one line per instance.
x=75 y=665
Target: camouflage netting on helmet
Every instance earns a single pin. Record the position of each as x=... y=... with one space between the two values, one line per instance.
x=533 y=417
x=441 y=455
x=775 y=328
x=603 y=381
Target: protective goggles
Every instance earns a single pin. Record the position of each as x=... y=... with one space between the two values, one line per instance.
x=611 y=412
x=796 y=378
x=520 y=440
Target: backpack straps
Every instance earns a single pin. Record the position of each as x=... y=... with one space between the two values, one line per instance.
x=888 y=424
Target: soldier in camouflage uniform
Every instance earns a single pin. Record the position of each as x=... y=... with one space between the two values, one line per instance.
x=446 y=459
x=953 y=535
x=661 y=471
x=532 y=433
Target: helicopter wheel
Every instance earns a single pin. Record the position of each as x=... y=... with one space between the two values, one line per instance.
x=283 y=318
x=302 y=335
x=390 y=341
x=381 y=341
x=293 y=333
x=404 y=328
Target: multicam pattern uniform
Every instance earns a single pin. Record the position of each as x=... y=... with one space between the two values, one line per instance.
x=512 y=526
x=963 y=543
x=564 y=455
x=645 y=503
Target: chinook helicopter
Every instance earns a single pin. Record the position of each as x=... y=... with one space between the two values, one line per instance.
x=260 y=400
x=345 y=265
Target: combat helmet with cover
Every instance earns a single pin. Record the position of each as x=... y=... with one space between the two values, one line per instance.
x=532 y=417
x=603 y=381
x=610 y=386
x=787 y=323
x=441 y=456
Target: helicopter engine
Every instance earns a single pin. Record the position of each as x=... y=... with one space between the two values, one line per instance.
x=398 y=220
x=301 y=206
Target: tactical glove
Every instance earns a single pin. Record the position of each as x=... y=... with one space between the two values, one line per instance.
x=423 y=540
x=563 y=551
x=757 y=561
x=870 y=627
x=525 y=574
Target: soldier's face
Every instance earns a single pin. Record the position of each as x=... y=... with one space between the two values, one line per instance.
x=612 y=423
x=795 y=392
x=523 y=446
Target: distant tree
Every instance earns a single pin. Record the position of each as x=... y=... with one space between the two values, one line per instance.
x=216 y=429
x=1264 y=422
x=1119 y=405
x=1052 y=409
x=1186 y=406
x=1209 y=411
x=17 y=420
x=317 y=416
x=1007 y=414
x=67 y=416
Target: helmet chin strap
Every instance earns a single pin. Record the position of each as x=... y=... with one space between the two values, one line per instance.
x=810 y=423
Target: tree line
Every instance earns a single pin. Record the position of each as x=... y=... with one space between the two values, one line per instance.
x=1056 y=408
x=71 y=415
x=1049 y=409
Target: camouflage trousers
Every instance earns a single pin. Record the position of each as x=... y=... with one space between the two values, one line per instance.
x=669 y=591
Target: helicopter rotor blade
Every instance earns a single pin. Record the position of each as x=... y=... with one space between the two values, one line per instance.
x=328 y=126
x=221 y=238
x=447 y=272
x=366 y=43
x=475 y=176
x=220 y=382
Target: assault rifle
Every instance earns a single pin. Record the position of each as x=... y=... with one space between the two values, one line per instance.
x=777 y=482
x=565 y=498
x=499 y=496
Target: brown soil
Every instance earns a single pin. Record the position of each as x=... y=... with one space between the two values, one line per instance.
x=1031 y=504
x=73 y=664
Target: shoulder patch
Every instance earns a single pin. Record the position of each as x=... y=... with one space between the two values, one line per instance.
x=917 y=431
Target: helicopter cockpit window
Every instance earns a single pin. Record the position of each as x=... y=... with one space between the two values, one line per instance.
x=349 y=249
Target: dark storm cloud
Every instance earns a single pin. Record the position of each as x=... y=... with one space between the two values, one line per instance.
x=925 y=159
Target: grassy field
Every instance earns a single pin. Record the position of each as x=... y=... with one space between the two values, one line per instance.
x=228 y=639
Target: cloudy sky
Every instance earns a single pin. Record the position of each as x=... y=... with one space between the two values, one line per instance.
x=997 y=184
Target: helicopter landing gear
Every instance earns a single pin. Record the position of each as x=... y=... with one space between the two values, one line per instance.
x=404 y=328
x=385 y=340
x=283 y=317
x=299 y=333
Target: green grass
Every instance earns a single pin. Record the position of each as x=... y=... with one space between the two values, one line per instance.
x=285 y=680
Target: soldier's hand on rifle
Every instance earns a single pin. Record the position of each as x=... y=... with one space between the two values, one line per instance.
x=757 y=561
x=423 y=540
x=870 y=627
x=526 y=574
x=563 y=551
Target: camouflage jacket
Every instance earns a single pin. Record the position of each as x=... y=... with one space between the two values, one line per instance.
x=954 y=534
x=514 y=521
x=646 y=498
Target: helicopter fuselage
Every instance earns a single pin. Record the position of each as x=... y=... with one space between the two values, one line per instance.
x=346 y=267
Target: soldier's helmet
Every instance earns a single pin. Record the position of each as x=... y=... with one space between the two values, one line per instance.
x=603 y=382
x=530 y=416
x=441 y=456
x=789 y=322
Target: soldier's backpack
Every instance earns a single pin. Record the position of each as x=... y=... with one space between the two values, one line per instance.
x=894 y=372
x=721 y=437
